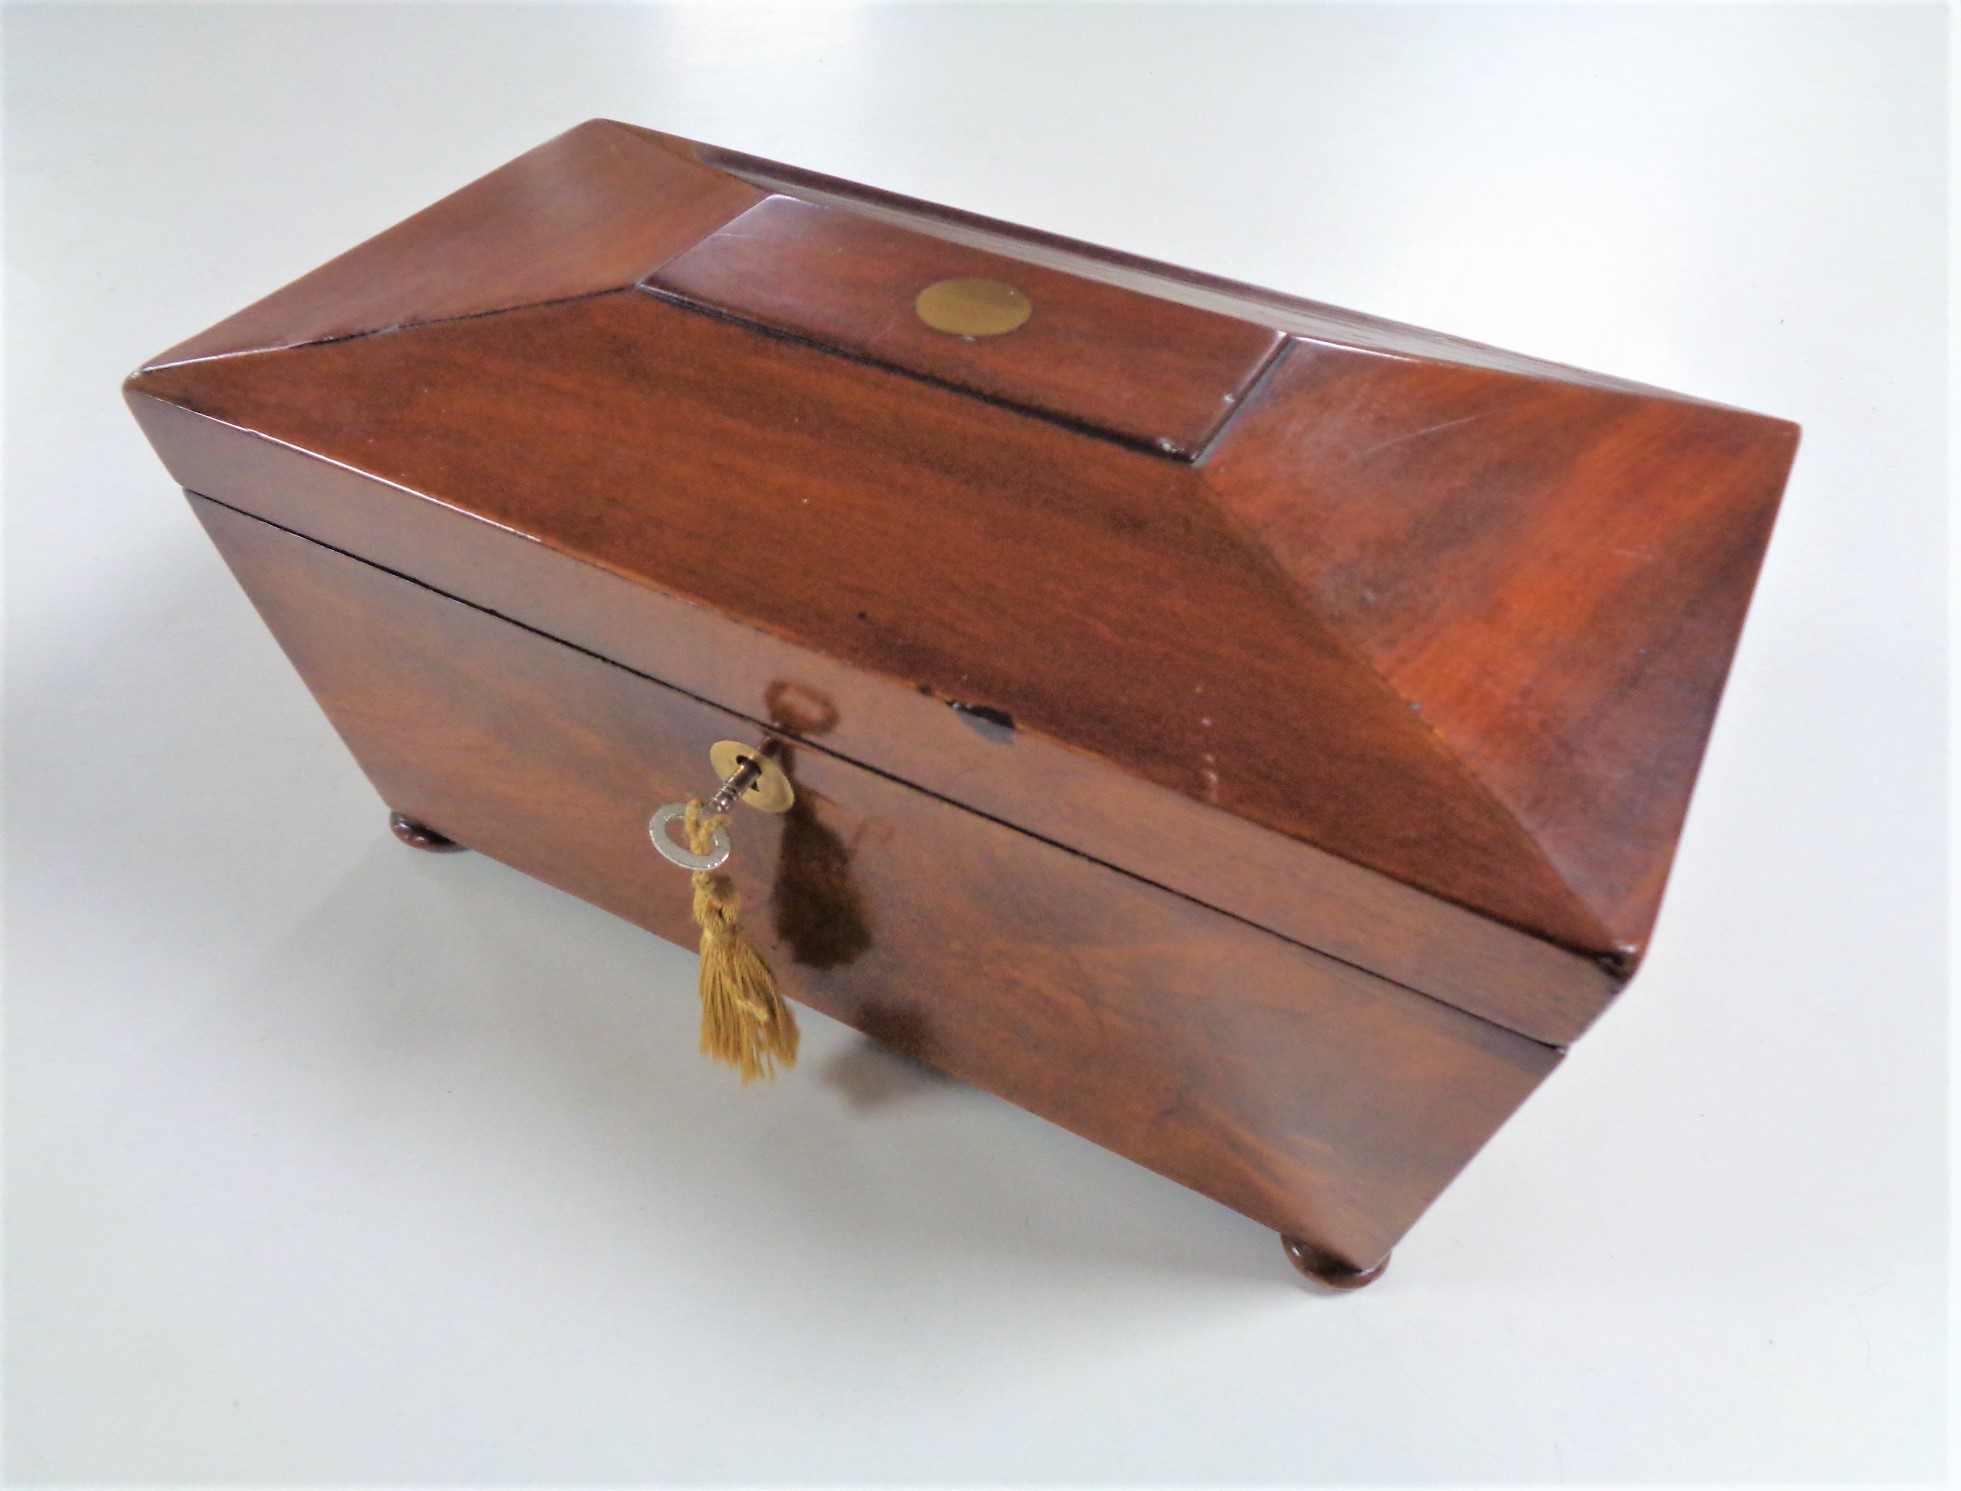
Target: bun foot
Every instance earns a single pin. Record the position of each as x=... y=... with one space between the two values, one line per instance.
x=1327 y=1270
x=420 y=835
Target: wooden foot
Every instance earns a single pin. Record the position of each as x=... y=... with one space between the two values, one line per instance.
x=420 y=835
x=1327 y=1270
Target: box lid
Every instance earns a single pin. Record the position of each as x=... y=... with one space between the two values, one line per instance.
x=1395 y=644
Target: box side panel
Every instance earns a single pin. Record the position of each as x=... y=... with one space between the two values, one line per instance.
x=1554 y=577
x=1306 y=1094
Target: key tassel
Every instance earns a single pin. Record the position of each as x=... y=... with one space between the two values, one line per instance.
x=745 y=1023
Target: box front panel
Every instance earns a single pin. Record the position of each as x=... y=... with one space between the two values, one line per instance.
x=1311 y=1096
x=1021 y=777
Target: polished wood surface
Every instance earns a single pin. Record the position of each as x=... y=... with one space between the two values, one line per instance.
x=1012 y=774
x=1313 y=319
x=1313 y=1097
x=1433 y=632
x=1554 y=576
x=593 y=210
x=848 y=281
x=1092 y=593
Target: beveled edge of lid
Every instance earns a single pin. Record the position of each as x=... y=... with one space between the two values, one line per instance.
x=593 y=210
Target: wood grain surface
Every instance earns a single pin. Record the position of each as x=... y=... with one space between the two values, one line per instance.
x=591 y=211
x=1321 y=1101
x=1554 y=576
x=1094 y=594
x=1297 y=315
x=1148 y=370
x=1413 y=659
x=1014 y=775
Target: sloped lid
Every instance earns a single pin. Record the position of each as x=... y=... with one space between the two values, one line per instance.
x=1452 y=614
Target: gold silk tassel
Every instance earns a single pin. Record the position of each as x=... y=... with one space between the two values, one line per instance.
x=745 y=1023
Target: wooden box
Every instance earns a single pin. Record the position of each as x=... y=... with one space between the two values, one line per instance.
x=1249 y=734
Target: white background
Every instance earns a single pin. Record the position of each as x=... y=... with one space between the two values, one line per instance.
x=333 y=1162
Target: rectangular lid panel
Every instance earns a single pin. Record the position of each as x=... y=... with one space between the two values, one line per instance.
x=1145 y=370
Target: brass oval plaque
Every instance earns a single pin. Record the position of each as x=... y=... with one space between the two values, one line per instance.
x=973 y=308
x=771 y=791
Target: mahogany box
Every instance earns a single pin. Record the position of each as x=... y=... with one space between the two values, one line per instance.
x=1247 y=733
